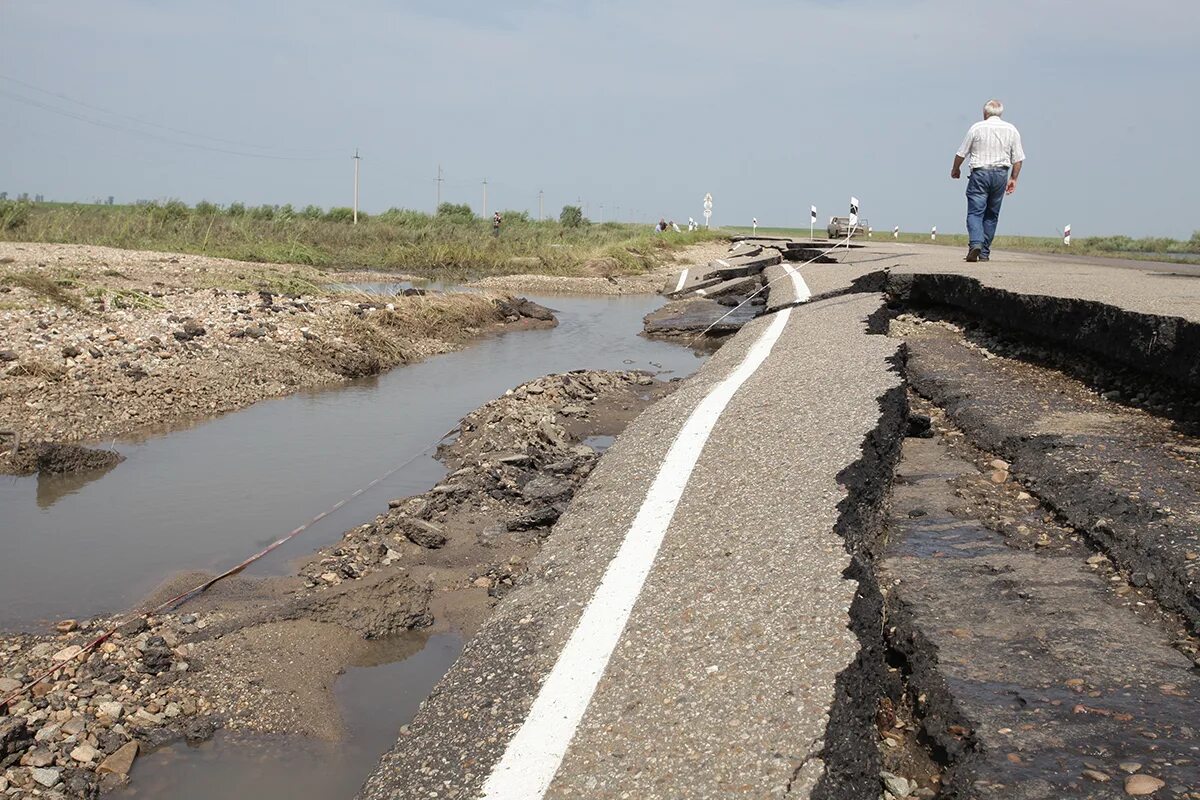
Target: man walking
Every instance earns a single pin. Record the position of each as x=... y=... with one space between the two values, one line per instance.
x=994 y=146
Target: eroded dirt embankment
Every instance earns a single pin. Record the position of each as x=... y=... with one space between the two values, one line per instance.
x=440 y=559
x=98 y=342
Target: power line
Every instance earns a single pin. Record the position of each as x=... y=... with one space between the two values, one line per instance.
x=132 y=118
x=154 y=137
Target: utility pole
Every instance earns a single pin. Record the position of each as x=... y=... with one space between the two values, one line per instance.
x=356 y=160
x=438 y=181
x=485 y=197
x=541 y=194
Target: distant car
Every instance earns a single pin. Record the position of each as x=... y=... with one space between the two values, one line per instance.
x=839 y=227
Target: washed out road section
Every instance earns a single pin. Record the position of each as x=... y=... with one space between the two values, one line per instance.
x=723 y=678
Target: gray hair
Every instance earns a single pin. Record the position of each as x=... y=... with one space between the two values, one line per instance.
x=993 y=108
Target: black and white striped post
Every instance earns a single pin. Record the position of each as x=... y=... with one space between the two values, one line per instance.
x=853 y=215
x=1067 y=236
x=812 y=220
x=933 y=234
x=896 y=232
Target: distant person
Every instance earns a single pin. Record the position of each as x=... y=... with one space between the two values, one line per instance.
x=691 y=223
x=994 y=147
x=675 y=226
x=496 y=220
x=662 y=225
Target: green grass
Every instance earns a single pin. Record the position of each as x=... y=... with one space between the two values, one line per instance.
x=1144 y=249
x=397 y=240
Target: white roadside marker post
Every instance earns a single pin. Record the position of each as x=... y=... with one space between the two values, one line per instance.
x=933 y=233
x=707 y=208
x=853 y=216
x=896 y=232
x=1067 y=236
x=812 y=220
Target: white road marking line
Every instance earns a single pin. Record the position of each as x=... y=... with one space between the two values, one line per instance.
x=722 y=262
x=682 y=279
x=803 y=295
x=535 y=753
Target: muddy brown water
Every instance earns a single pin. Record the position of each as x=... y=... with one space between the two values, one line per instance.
x=206 y=496
x=374 y=699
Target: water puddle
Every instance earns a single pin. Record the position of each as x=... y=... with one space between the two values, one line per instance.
x=376 y=698
x=941 y=537
x=206 y=495
x=599 y=443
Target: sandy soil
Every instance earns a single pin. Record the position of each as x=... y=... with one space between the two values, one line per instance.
x=97 y=342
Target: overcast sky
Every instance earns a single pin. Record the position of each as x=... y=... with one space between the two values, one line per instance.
x=770 y=105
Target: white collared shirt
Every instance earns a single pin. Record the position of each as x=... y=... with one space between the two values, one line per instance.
x=992 y=143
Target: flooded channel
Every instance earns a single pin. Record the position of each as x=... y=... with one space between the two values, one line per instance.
x=206 y=496
x=375 y=701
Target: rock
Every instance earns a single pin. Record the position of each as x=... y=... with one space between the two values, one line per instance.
x=1142 y=785
x=1096 y=775
x=66 y=626
x=9 y=685
x=546 y=489
x=7 y=355
x=425 y=534
x=41 y=757
x=68 y=653
x=46 y=776
x=898 y=786
x=998 y=476
x=121 y=761
x=84 y=753
x=998 y=464
x=1129 y=766
x=74 y=726
x=71 y=351
x=255 y=332
x=540 y=517
x=113 y=710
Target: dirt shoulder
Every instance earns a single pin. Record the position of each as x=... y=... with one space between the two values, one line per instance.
x=436 y=561
x=97 y=342
x=604 y=278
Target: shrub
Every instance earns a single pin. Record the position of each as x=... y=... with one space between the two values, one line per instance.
x=13 y=214
x=514 y=216
x=236 y=210
x=340 y=214
x=571 y=217
x=456 y=211
x=165 y=212
x=312 y=212
x=207 y=209
x=265 y=211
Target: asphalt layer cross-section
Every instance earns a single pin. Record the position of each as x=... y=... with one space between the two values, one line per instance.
x=722 y=681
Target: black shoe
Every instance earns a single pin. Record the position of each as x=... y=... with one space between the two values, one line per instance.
x=985 y=258
x=973 y=254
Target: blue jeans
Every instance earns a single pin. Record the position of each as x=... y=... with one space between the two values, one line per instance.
x=985 y=193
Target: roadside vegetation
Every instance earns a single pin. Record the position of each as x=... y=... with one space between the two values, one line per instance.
x=454 y=243
x=1150 y=248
